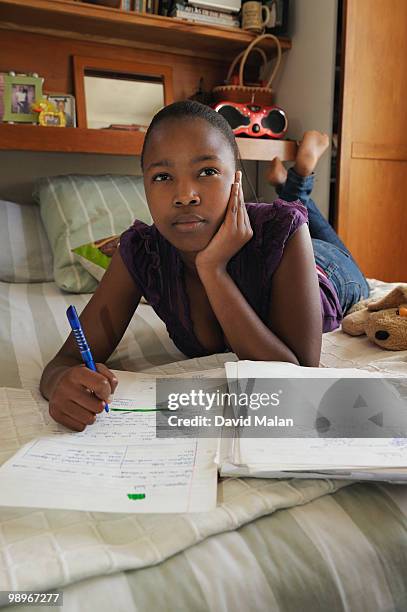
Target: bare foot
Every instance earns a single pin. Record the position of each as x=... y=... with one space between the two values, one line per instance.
x=276 y=173
x=312 y=146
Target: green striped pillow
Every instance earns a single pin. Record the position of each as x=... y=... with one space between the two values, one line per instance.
x=77 y=209
x=26 y=255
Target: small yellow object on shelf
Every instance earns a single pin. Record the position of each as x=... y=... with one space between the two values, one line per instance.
x=49 y=115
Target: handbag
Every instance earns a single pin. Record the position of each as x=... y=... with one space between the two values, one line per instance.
x=236 y=90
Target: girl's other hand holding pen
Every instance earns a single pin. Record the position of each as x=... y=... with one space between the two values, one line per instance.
x=80 y=395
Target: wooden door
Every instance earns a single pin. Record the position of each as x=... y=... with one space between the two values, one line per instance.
x=371 y=215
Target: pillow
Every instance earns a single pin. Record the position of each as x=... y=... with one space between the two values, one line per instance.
x=78 y=209
x=26 y=255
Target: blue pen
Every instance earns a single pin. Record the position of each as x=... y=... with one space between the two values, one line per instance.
x=81 y=341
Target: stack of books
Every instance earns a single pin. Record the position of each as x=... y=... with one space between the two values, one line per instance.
x=204 y=15
x=216 y=12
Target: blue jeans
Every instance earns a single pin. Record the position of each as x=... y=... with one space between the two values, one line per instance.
x=330 y=253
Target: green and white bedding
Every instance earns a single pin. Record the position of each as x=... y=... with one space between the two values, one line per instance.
x=344 y=551
x=269 y=546
x=307 y=548
x=33 y=326
x=26 y=255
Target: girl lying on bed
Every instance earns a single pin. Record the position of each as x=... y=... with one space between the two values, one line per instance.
x=223 y=275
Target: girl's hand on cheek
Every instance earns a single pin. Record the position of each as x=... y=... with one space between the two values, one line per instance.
x=232 y=235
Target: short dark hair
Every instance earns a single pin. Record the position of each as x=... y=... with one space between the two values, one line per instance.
x=195 y=110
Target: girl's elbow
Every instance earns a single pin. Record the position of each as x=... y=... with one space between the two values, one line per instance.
x=310 y=359
x=309 y=363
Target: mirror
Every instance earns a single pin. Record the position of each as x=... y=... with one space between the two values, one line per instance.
x=129 y=101
x=119 y=93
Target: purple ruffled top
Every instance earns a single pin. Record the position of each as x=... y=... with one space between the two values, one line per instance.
x=158 y=270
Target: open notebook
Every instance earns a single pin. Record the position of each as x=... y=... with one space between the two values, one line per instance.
x=115 y=465
x=120 y=465
x=348 y=423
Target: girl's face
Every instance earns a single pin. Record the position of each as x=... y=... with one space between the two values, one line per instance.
x=189 y=168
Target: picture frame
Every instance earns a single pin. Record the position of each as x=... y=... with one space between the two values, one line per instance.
x=51 y=119
x=121 y=95
x=64 y=103
x=20 y=92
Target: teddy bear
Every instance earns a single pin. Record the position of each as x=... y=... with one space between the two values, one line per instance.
x=384 y=321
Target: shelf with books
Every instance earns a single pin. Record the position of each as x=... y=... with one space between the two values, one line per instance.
x=21 y=137
x=78 y=20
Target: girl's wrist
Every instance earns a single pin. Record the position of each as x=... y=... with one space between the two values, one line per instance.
x=210 y=269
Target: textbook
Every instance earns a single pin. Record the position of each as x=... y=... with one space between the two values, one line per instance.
x=165 y=439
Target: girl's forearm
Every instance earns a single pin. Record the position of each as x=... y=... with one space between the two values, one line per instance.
x=246 y=333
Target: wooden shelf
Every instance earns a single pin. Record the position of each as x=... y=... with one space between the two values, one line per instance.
x=260 y=149
x=69 y=19
x=87 y=22
x=69 y=140
x=116 y=142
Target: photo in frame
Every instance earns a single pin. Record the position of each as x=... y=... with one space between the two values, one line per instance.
x=64 y=103
x=20 y=93
x=123 y=93
x=53 y=119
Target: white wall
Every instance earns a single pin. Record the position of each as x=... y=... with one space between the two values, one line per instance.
x=305 y=83
x=19 y=169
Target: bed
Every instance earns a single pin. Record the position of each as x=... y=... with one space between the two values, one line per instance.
x=269 y=545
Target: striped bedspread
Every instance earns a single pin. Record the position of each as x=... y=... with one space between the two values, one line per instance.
x=33 y=326
x=344 y=552
x=306 y=547
x=271 y=545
